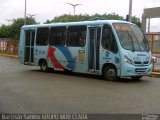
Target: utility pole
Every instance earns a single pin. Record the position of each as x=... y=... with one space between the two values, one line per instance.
x=25 y=9
x=130 y=11
x=74 y=7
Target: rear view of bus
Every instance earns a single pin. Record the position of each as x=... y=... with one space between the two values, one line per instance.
x=136 y=58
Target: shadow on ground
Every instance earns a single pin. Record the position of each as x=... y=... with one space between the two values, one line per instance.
x=92 y=76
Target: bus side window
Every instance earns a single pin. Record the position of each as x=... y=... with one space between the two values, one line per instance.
x=57 y=36
x=76 y=36
x=108 y=39
x=82 y=39
x=42 y=36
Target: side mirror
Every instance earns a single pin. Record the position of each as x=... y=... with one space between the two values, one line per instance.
x=154 y=59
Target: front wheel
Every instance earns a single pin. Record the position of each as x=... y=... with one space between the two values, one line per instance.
x=110 y=73
x=43 y=66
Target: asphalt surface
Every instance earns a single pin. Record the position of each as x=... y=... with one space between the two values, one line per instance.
x=25 y=89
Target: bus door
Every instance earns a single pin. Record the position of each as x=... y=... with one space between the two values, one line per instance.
x=93 y=51
x=29 y=46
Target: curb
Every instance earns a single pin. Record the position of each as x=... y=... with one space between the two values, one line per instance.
x=12 y=56
x=155 y=74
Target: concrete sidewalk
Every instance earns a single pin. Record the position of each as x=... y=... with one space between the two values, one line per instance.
x=12 y=56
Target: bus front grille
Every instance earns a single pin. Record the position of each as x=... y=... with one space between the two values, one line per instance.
x=140 y=70
x=146 y=62
x=137 y=62
x=141 y=63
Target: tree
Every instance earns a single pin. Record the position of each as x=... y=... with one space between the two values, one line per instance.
x=74 y=18
x=71 y=18
x=5 y=31
x=136 y=21
x=18 y=23
x=13 y=30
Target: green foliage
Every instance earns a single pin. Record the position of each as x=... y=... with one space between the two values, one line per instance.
x=13 y=30
x=71 y=18
x=74 y=18
x=17 y=24
x=5 y=31
x=136 y=21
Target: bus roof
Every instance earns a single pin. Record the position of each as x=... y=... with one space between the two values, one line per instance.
x=93 y=22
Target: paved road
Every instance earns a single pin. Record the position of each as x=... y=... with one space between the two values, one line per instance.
x=24 y=89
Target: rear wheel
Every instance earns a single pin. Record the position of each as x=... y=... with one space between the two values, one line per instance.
x=43 y=66
x=110 y=73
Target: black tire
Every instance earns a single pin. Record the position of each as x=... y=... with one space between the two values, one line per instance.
x=136 y=77
x=43 y=66
x=110 y=73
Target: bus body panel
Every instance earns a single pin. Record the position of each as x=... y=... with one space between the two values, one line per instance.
x=67 y=58
x=141 y=63
x=21 y=47
x=40 y=52
x=108 y=57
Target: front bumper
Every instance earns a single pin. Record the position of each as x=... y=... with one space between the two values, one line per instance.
x=130 y=70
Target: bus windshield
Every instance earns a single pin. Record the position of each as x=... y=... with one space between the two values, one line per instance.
x=131 y=37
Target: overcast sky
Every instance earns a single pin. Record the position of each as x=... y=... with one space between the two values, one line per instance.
x=48 y=9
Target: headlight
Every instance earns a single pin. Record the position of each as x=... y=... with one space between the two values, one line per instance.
x=128 y=60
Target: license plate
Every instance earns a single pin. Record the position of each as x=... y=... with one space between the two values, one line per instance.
x=141 y=73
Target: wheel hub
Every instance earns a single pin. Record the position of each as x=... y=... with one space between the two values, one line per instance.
x=111 y=73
